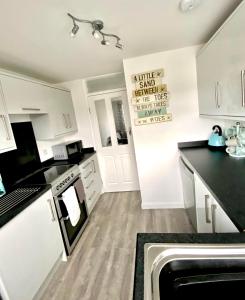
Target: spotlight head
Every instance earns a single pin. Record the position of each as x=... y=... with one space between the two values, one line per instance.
x=96 y=34
x=105 y=42
x=74 y=30
x=119 y=46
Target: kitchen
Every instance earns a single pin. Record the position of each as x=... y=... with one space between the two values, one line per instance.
x=125 y=172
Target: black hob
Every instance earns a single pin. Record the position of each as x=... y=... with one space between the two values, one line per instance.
x=47 y=175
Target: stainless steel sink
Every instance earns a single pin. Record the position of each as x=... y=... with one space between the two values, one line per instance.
x=221 y=264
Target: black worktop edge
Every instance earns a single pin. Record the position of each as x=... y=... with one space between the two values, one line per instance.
x=9 y=215
x=171 y=238
x=193 y=144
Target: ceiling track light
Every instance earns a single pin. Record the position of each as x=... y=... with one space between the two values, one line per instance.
x=97 y=26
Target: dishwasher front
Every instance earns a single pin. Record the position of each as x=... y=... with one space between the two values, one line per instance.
x=188 y=185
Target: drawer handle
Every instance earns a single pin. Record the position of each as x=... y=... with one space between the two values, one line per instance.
x=87 y=187
x=90 y=198
x=84 y=167
x=30 y=108
x=87 y=176
x=208 y=221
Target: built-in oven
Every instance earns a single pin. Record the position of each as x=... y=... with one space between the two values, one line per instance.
x=70 y=233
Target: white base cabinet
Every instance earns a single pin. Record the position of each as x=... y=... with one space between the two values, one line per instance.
x=7 y=142
x=92 y=182
x=211 y=218
x=31 y=244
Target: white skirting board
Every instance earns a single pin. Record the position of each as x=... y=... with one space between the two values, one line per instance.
x=161 y=205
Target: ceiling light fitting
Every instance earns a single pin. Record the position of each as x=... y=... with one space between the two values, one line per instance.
x=188 y=5
x=97 y=32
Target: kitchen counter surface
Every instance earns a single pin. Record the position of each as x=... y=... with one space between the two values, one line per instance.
x=223 y=175
x=201 y=238
x=13 y=212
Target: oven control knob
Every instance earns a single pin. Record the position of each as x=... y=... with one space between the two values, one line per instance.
x=57 y=188
x=72 y=175
x=68 y=178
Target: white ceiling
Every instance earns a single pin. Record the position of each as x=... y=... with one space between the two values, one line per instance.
x=35 y=40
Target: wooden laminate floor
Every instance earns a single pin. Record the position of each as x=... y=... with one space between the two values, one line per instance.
x=102 y=265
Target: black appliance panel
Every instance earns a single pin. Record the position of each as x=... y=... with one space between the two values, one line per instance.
x=17 y=164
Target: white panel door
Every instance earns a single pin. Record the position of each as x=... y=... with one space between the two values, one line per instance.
x=114 y=144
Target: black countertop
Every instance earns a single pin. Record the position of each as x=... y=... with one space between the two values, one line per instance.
x=13 y=212
x=79 y=159
x=201 y=238
x=223 y=175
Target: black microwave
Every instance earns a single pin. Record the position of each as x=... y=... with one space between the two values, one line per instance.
x=67 y=150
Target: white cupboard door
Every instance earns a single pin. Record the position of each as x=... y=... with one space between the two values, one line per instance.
x=7 y=141
x=62 y=112
x=221 y=222
x=32 y=244
x=232 y=38
x=204 y=202
x=113 y=141
x=24 y=96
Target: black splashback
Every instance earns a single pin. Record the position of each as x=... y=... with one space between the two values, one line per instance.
x=16 y=164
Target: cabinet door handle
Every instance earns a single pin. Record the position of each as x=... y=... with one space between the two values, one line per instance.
x=30 y=108
x=217 y=88
x=84 y=167
x=65 y=121
x=69 y=119
x=87 y=176
x=87 y=187
x=208 y=221
x=90 y=198
x=243 y=87
x=51 y=210
x=94 y=166
x=8 y=137
x=213 y=208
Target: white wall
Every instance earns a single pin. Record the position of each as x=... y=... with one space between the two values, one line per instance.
x=156 y=144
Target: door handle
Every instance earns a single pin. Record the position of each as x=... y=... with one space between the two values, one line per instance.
x=213 y=208
x=243 y=87
x=51 y=210
x=208 y=221
x=130 y=130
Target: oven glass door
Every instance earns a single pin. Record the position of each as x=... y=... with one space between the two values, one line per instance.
x=71 y=233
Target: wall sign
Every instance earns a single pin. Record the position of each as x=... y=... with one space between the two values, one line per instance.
x=150 y=98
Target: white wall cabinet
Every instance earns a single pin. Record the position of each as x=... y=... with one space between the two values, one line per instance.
x=51 y=109
x=7 y=141
x=211 y=218
x=92 y=182
x=60 y=119
x=220 y=70
x=23 y=96
x=31 y=244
